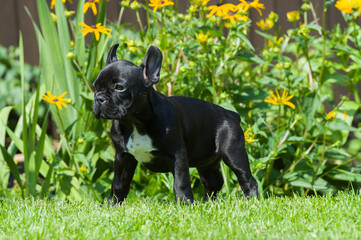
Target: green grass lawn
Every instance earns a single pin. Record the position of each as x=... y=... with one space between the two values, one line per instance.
x=337 y=217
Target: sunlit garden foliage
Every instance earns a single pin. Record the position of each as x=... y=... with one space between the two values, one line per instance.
x=297 y=130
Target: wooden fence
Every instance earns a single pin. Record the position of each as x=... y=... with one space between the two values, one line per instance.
x=13 y=18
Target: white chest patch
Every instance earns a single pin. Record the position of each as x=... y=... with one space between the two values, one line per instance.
x=140 y=146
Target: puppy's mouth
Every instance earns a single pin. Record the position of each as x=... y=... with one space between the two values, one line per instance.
x=106 y=113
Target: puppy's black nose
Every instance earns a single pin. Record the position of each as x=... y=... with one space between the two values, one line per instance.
x=100 y=99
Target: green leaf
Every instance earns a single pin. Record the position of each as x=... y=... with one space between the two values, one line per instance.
x=17 y=141
x=340 y=125
x=4 y=115
x=245 y=40
x=265 y=35
x=228 y=106
x=79 y=39
x=344 y=175
x=13 y=167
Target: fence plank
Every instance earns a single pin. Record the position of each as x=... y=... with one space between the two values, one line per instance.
x=13 y=18
x=31 y=52
x=9 y=25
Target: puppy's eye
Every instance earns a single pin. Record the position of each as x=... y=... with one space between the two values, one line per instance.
x=119 y=87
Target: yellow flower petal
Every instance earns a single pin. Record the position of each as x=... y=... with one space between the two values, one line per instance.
x=290 y=104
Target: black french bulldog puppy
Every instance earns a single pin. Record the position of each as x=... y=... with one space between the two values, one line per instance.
x=166 y=134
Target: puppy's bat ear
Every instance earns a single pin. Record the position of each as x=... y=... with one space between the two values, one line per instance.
x=112 y=55
x=151 y=66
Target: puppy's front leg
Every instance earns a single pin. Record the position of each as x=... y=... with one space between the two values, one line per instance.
x=124 y=167
x=182 y=181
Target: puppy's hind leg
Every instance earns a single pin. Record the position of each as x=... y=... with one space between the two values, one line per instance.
x=234 y=155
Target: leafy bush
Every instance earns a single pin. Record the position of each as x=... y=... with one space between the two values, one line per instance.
x=10 y=84
x=294 y=143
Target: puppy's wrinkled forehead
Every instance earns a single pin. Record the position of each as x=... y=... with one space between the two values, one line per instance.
x=121 y=71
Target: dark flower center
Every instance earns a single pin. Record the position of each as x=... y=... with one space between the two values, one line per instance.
x=55 y=100
x=93 y=26
x=161 y=2
x=231 y=13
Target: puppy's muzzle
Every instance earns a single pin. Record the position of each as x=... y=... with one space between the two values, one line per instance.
x=100 y=100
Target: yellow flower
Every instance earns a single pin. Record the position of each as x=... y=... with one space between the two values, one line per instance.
x=249 y=136
x=348 y=6
x=200 y=2
x=83 y=169
x=202 y=38
x=234 y=16
x=293 y=16
x=277 y=100
x=331 y=115
x=159 y=3
x=265 y=24
x=96 y=29
x=275 y=42
x=255 y=4
x=91 y=4
x=52 y=4
x=221 y=9
x=58 y=101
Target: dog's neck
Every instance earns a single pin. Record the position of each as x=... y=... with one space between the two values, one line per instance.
x=144 y=114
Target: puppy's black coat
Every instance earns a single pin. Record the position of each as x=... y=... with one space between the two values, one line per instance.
x=166 y=134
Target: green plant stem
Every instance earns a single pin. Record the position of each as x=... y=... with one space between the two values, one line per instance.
x=323 y=41
x=278 y=124
x=148 y=20
x=120 y=16
x=83 y=76
x=356 y=96
x=271 y=162
x=72 y=28
x=320 y=161
x=210 y=74
x=67 y=142
x=139 y=21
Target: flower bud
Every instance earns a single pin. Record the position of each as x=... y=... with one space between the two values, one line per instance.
x=182 y=69
x=305 y=7
x=70 y=55
x=273 y=16
x=192 y=9
x=191 y=64
x=68 y=14
x=53 y=16
x=286 y=65
x=134 y=5
x=275 y=50
x=188 y=17
x=125 y=3
x=122 y=38
x=279 y=66
x=180 y=16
